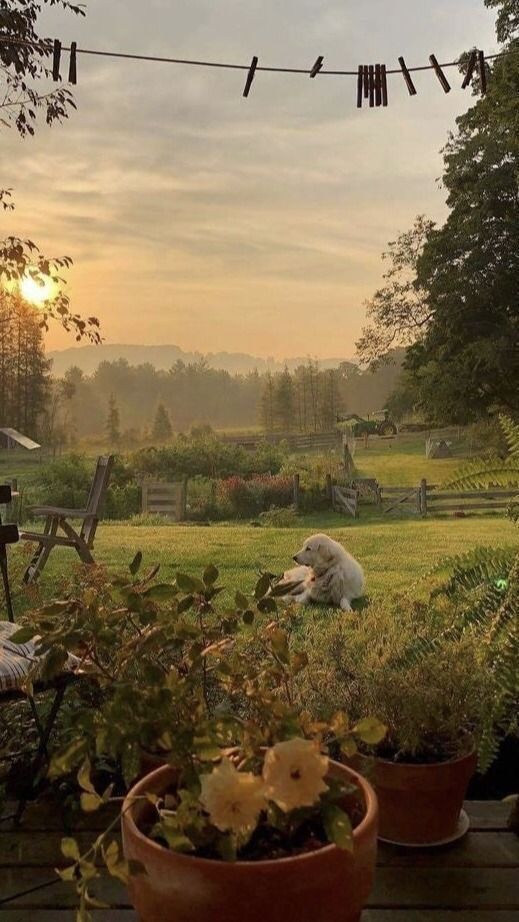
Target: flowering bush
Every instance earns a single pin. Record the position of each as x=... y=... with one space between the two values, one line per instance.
x=175 y=676
x=258 y=494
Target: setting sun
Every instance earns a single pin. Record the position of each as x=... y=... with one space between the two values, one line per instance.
x=38 y=289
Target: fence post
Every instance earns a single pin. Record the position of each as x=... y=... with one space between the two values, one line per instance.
x=296 y=492
x=423 y=498
x=329 y=489
x=348 y=460
x=183 y=500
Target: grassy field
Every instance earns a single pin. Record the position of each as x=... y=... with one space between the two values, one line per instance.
x=402 y=461
x=393 y=553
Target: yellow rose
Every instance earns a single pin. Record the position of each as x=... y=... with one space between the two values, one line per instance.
x=293 y=773
x=233 y=799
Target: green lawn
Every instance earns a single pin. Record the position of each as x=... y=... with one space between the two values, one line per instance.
x=402 y=461
x=393 y=553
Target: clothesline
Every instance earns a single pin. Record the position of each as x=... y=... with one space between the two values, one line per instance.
x=48 y=48
x=371 y=78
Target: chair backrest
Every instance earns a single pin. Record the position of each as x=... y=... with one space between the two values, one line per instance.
x=97 y=495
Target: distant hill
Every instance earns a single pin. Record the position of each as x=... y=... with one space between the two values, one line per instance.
x=89 y=357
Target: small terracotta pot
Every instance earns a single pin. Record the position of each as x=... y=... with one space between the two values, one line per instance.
x=327 y=885
x=419 y=804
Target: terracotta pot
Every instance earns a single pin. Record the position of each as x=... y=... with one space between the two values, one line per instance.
x=419 y=804
x=149 y=761
x=327 y=885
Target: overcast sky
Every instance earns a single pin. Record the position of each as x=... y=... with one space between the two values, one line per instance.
x=199 y=218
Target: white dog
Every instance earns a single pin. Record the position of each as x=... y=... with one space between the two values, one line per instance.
x=327 y=574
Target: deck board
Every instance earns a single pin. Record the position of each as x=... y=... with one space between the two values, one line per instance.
x=475 y=880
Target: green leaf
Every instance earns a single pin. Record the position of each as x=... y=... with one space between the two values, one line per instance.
x=338 y=827
x=136 y=563
x=211 y=575
x=63 y=762
x=162 y=592
x=348 y=747
x=90 y=802
x=83 y=777
x=23 y=634
x=185 y=582
x=279 y=642
x=267 y=605
x=185 y=604
x=241 y=601
x=248 y=617
x=262 y=586
x=67 y=874
x=370 y=730
x=70 y=848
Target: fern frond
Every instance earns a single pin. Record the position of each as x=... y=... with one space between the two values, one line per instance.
x=511 y=431
x=494 y=471
x=483 y=474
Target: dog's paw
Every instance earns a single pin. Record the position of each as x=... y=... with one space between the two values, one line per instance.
x=346 y=604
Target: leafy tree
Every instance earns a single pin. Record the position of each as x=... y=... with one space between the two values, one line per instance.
x=113 y=422
x=23 y=69
x=464 y=362
x=24 y=371
x=399 y=311
x=162 y=429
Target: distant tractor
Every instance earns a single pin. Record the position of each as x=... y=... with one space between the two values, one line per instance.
x=378 y=423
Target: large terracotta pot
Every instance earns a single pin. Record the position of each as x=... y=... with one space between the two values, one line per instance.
x=419 y=804
x=327 y=885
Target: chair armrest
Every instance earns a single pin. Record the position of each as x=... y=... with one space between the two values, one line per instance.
x=63 y=513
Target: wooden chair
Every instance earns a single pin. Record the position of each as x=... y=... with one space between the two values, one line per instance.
x=16 y=662
x=56 y=518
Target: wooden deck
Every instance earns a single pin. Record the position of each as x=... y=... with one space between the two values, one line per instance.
x=476 y=880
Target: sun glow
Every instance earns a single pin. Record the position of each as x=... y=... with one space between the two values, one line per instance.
x=37 y=289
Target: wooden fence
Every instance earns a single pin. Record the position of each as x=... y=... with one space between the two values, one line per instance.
x=168 y=499
x=435 y=502
x=405 y=499
x=312 y=441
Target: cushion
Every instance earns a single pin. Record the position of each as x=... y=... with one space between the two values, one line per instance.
x=17 y=659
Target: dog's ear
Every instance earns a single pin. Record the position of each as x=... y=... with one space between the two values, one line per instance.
x=324 y=551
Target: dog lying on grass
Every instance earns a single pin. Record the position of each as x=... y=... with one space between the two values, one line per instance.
x=326 y=575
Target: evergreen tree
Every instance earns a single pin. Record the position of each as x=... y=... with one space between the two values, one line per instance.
x=162 y=429
x=267 y=417
x=113 y=422
x=284 y=403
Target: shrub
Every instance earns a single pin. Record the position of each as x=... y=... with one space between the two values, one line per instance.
x=250 y=497
x=429 y=704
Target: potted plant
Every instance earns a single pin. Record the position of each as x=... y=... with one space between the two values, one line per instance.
x=249 y=817
x=431 y=671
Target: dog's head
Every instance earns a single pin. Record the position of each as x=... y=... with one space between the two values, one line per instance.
x=318 y=552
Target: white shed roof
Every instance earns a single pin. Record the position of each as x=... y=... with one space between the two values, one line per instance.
x=20 y=439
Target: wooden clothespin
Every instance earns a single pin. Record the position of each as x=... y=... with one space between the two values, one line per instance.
x=317 y=66
x=250 y=75
x=365 y=71
x=56 y=60
x=482 y=71
x=371 y=86
x=383 y=76
x=360 y=86
x=407 y=77
x=439 y=73
x=471 y=66
x=378 y=85
x=72 y=68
